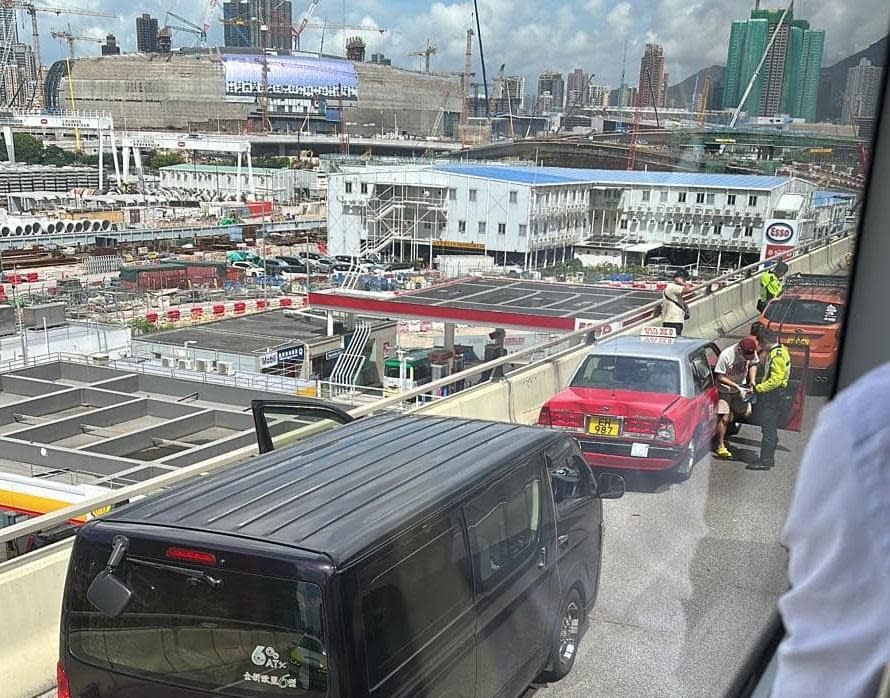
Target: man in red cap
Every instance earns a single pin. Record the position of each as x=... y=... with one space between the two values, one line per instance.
x=736 y=371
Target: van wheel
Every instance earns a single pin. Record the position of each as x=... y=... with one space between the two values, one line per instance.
x=565 y=648
x=683 y=470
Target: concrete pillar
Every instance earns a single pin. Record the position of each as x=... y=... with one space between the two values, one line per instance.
x=10 y=145
x=125 y=157
x=330 y=317
x=117 y=167
x=137 y=162
x=251 y=186
x=238 y=178
x=449 y=336
x=101 y=161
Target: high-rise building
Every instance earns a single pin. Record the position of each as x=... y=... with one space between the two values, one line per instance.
x=165 y=40
x=147 y=34
x=8 y=30
x=600 y=95
x=862 y=92
x=652 y=89
x=355 y=49
x=20 y=78
x=245 y=21
x=236 y=27
x=552 y=84
x=577 y=91
x=110 y=47
x=789 y=81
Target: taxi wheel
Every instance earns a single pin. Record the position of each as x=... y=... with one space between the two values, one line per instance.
x=683 y=471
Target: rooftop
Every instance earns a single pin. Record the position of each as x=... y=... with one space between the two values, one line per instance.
x=339 y=492
x=542 y=176
x=638 y=346
x=490 y=302
x=250 y=334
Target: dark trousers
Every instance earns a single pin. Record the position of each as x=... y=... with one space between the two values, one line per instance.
x=768 y=405
x=676 y=325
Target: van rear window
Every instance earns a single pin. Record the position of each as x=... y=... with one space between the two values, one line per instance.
x=249 y=636
x=800 y=311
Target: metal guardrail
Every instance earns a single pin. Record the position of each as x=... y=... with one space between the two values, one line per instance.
x=573 y=339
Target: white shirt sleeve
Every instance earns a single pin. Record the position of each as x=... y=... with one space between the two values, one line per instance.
x=837 y=612
x=725 y=361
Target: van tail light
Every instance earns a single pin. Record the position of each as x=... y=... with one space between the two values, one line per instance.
x=63 y=690
x=544 y=418
x=196 y=557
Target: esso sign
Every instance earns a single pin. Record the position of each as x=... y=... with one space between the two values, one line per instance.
x=181 y=144
x=779 y=233
x=44 y=122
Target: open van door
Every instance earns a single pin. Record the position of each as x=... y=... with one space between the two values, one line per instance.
x=279 y=423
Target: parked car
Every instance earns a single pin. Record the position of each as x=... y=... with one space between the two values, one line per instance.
x=392 y=553
x=647 y=405
x=313 y=265
x=807 y=318
x=250 y=269
x=277 y=267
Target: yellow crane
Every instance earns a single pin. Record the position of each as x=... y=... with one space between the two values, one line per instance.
x=703 y=98
x=430 y=50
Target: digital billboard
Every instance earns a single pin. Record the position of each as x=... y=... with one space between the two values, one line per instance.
x=297 y=77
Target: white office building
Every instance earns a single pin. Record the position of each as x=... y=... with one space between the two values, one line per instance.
x=284 y=185
x=534 y=214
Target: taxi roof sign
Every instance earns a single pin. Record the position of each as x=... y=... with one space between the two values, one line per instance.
x=659 y=332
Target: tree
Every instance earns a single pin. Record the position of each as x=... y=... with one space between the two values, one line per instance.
x=28 y=149
x=158 y=160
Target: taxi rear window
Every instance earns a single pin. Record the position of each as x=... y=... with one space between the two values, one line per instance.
x=629 y=373
x=249 y=636
x=801 y=311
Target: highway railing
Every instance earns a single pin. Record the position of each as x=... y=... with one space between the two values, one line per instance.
x=418 y=398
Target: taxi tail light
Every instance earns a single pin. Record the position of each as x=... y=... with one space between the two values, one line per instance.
x=544 y=418
x=197 y=557
x=666 y=431
x=643 y=426
x=566 y=419
x=63 y=690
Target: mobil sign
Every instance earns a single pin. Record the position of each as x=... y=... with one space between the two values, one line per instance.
x=779 y=236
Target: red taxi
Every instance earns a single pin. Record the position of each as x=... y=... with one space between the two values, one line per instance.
x=643 y=403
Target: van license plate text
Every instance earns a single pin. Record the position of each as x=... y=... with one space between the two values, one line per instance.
x=603 y=426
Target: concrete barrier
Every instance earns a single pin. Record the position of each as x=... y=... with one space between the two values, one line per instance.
x=32 y=603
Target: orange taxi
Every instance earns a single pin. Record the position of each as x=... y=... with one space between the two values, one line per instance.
x=807 y=319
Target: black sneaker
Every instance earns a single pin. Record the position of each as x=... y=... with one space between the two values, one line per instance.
x=757 y=465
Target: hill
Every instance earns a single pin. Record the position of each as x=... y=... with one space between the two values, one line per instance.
x=681 y=94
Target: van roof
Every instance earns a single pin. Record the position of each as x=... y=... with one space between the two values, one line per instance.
x=343 y=491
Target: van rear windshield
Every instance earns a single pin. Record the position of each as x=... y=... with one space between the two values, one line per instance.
x=249 y=636
x=800 y=311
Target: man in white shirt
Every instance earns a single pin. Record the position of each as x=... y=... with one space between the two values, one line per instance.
x=736 y=371
x=673 y=308
x=837 y=613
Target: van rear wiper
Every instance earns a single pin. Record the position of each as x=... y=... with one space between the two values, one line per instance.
x=194 y=576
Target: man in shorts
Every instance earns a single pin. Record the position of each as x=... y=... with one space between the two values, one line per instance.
x=736 y=372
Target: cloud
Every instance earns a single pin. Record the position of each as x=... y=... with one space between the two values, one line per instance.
x=526 y=36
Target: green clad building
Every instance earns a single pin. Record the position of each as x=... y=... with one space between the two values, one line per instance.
x=789 y=81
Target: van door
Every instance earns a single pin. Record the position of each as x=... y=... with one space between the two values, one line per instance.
x=511 y=531
x=281 y=423
x=417 y=616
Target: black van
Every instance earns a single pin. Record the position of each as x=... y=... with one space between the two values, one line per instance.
x=392 y=556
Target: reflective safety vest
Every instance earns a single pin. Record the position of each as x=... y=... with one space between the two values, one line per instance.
x=777 y=372
x=770 y=287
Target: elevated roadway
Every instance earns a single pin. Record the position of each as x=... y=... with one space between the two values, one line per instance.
x=691 y=572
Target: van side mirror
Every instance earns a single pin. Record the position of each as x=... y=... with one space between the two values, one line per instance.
x=610 y=486
x=107 y=593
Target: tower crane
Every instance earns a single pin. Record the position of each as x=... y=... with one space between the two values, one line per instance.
x=704 y=97
x=72 y=38
x=298 y=32
x=190 y=27
x=31 y=9
x=426 y=53
x=465 y=85
x=212 y=9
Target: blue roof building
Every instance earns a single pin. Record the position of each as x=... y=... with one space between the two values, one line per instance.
x=523 y=214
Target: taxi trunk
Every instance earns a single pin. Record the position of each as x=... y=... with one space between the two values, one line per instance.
x=618 y=428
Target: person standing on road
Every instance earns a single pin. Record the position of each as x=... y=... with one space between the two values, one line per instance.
x=674 y=311
x=771 y=284
x=771 y=393
x=736 y=370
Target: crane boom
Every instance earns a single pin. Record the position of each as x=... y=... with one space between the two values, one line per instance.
x=298 y=32
x=212 y=9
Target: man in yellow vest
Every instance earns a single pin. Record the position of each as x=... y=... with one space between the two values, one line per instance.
x=771 y=284
x=771 y=393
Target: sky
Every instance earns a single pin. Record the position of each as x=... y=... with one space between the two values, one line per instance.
x=525 y=36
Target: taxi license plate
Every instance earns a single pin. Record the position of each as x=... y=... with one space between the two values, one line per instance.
x=796 y=341
x=604 y=426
